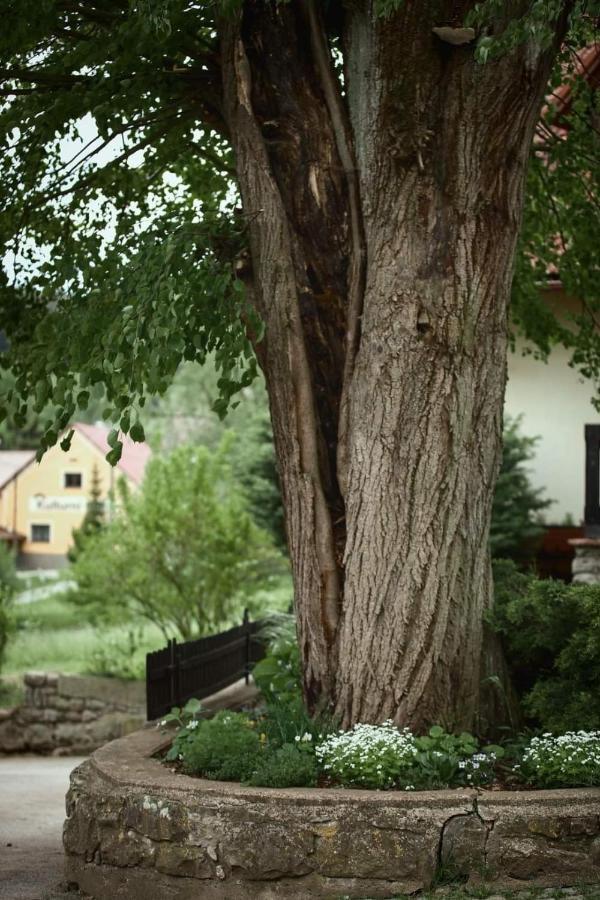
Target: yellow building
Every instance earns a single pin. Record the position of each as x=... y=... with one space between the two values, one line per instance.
x=41 y=503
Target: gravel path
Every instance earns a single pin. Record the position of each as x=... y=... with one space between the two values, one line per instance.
x=32 y=811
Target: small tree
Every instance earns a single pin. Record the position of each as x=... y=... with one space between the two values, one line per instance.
x=517 y=504
x=184 y=553
x=93 y=520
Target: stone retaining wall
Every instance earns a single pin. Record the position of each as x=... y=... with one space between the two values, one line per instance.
x=135 y=829
x=71 y=714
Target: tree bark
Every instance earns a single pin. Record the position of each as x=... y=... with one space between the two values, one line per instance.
x=382 y=223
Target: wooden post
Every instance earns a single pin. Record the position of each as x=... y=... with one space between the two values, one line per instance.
x=174 y=672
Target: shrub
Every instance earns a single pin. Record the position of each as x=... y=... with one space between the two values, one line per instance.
x=118 y=657
x=226 y=747
x=571 y=760
x=291 y=765
x=551 y=635
x=183 y=553
x=8 y=587
x=517 y=504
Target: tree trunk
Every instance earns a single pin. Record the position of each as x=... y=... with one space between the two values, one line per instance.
x=382 y=224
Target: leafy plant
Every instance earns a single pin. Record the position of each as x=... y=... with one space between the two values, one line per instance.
x=551 y=634
x=277 y=675
x=183 y=553
x=187 y=719
x=226 y=747
x=444 y=759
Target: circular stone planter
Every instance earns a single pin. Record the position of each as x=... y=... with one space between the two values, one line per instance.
x=135 y=829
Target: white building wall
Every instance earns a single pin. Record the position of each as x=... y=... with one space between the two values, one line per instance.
x=554 y=402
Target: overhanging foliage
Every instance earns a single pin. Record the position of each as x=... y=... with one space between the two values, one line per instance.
x=120 y=223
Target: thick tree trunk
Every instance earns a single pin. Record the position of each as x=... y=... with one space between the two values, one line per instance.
x=382 y=226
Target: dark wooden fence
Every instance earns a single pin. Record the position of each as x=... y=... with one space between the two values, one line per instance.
x=199 y=668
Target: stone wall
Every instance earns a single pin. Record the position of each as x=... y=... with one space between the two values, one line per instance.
x=71 y=714
x=135 y=829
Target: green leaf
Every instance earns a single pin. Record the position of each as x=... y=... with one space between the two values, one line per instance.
x=65 y=444
x=114 y=455
x=137 y=433
x=113 y=437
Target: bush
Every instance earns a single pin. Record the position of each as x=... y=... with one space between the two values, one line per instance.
x=184 y=553
x=226 y=747
x=517 y=504
x=571 y=760
x=551 y=635
x=291 y=765
x=8 y=588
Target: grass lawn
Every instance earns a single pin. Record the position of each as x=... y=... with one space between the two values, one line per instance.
x=53 y=634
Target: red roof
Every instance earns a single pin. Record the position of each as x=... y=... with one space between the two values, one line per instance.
x=133 y=458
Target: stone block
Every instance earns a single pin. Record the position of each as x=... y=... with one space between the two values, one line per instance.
x=34 y=679
x=69 y=733
x=12 y=736
x=62 y=703
x=90 y=703
x=586 y=564
x=40 y=737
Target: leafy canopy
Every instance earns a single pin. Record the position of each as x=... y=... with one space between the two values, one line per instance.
x=119 y=220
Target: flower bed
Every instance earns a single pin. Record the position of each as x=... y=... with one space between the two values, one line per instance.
x=278 y=745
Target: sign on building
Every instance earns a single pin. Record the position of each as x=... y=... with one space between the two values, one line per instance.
x=42 y=503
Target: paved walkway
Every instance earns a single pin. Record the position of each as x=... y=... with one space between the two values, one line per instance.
x=32 y=811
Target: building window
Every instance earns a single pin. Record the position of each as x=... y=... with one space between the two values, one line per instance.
x=40 y=534
x=72 y=479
